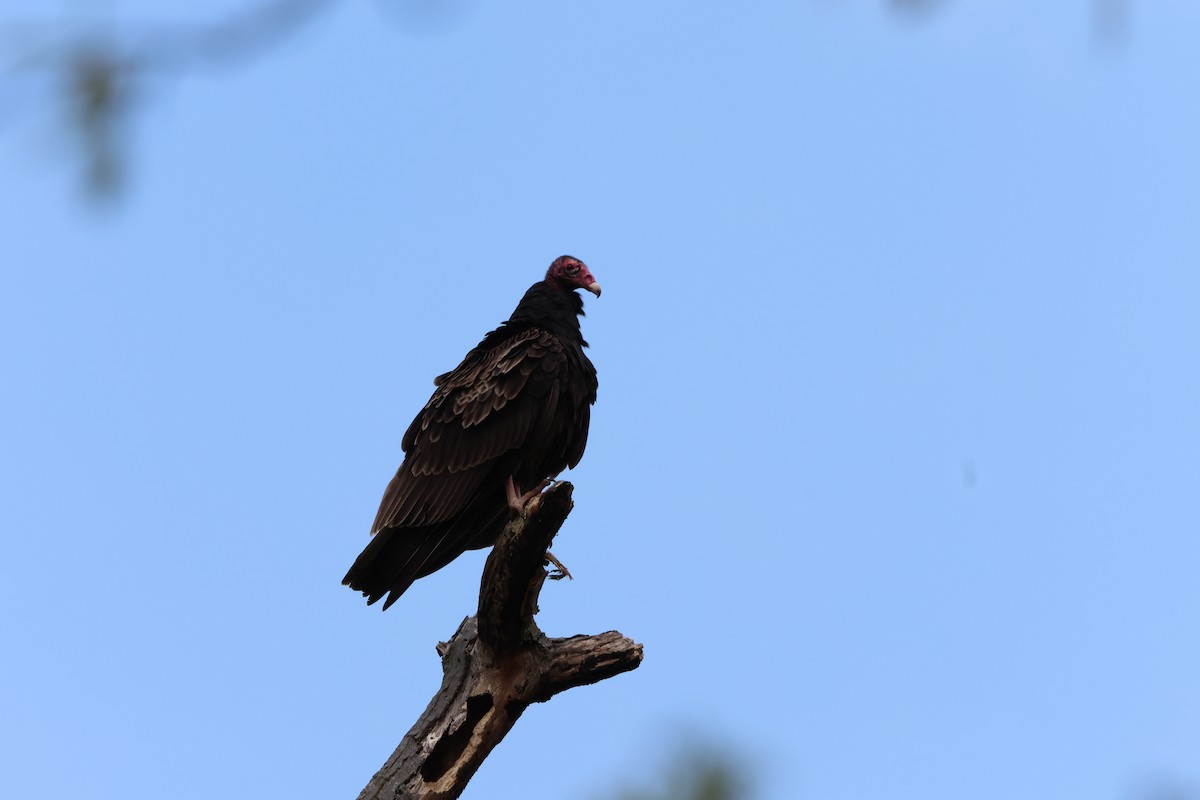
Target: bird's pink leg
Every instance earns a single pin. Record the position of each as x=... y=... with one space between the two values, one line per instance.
x=514 y=495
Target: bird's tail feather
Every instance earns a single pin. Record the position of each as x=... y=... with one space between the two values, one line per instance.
x=396 y=557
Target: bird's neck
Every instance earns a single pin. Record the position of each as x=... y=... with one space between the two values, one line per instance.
x=551 y=309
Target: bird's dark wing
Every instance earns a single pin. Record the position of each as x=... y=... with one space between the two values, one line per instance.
x=488 y=406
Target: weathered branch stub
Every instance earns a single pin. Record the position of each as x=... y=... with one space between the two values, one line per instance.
x=498 y=663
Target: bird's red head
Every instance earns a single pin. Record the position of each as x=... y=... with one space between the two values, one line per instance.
x=568 y=272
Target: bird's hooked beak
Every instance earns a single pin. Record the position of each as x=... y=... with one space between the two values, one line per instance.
x=594 y=288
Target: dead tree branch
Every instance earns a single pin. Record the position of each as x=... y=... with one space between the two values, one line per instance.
x=497 y=664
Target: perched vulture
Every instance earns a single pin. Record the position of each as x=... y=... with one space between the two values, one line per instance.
x=513 y=413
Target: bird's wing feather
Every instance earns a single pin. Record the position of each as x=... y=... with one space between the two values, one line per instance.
x=488 y=406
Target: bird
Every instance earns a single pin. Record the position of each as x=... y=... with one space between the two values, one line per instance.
x=513 y=415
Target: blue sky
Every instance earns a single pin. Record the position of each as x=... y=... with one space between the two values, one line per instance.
x=893 y=469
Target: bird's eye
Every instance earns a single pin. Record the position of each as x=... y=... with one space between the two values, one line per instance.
x=573 y=271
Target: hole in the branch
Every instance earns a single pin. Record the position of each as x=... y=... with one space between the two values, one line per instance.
x=451 y=746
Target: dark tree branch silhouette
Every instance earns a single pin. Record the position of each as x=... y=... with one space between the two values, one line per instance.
x=497 y=664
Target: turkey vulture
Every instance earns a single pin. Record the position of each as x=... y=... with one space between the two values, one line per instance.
x=514 y=412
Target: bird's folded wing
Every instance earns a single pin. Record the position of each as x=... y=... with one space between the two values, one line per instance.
x=488 y=406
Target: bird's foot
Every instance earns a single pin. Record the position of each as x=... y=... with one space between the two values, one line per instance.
x=560 y=570
x=519 y=503
x=532 y=493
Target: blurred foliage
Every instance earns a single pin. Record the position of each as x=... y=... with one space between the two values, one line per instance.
x=98 y=73
x=915 y=6
x=698 y=772
x=1110 y=20
x=101 y=69
x=97 y=96
x=1163 y=787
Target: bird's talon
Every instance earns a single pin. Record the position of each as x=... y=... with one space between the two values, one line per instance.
x=560 y=570
x=523 y=505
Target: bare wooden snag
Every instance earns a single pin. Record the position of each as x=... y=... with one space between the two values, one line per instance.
x=498 y=663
